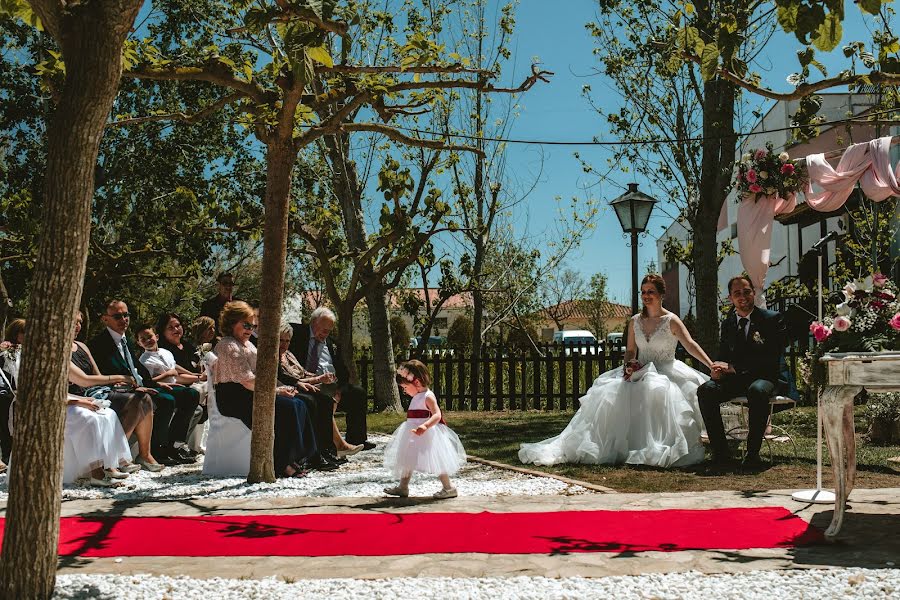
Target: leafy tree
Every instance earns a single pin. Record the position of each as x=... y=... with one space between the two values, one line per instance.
x=560 y=295
x=401 y=335
x=90 y=37
x=597 y=305
x=459 y=334
x=273 y=66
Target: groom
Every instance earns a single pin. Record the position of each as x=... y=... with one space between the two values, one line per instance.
x=750 y=347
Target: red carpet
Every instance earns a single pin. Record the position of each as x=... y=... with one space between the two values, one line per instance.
x=416 y=533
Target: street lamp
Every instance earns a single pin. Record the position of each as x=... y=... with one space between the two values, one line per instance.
x=633 y=209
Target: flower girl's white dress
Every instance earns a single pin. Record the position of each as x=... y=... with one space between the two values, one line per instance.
x=438 y=451
x=654 y=419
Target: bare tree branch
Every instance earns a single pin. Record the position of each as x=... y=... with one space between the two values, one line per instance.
x=397 y=136
x=181 y=116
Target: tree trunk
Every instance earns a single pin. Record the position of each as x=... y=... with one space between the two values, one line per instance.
x=5 y=302
x=345 y=338
x=91 y=36
x=279 y=165
x=718 y=158
x=477 y=324
x=387 y=397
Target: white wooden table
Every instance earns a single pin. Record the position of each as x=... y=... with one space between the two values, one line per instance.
x=848 y=375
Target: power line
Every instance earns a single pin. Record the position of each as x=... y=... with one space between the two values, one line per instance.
x=635 y=142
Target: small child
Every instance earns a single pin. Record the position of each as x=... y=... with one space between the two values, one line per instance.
x=160 y=362
x=423 y=442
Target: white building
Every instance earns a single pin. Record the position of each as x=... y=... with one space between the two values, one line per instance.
x=793 y=234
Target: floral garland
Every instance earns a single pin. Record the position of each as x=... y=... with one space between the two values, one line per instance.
x=867 y=321
x=763 y=173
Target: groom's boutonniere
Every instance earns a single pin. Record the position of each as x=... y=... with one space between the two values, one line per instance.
x=758 y=339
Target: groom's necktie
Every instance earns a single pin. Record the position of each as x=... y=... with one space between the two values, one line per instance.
x=742 y=329
x=134 y=372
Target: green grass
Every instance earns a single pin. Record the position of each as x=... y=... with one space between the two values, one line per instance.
x=497 y=435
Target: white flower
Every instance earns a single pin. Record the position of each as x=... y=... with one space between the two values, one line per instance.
x=849 y=290
x=763 y=174
x=783 y=157
x=843 y=310
x=865 y=285
x=745 y=157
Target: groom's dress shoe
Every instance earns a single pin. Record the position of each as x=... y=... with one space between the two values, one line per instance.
x=753 y=464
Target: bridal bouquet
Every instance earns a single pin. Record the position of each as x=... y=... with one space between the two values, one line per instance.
x=867 y=321
x=763 y=173
x=630 y=368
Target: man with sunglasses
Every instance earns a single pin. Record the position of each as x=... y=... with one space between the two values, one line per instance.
x=749 y=364
x=173 y=406
x=212 y=307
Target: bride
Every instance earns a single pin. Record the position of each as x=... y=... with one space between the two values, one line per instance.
x=653 y=418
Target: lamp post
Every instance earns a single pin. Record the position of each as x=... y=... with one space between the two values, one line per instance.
x=633 y=209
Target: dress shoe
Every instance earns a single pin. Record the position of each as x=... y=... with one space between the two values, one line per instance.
x=368 y=445
x=753 y=464
x=130 y=468
x=397 y=491
x=443 y=494
x=349 y=451
x=105 y=482
x=116 y=474
x=153 y=467
x=322 y=464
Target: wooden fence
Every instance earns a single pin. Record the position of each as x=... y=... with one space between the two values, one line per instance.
x=553 y=377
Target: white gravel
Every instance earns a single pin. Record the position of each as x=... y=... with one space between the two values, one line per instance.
x=807 y=584
x=363 y=476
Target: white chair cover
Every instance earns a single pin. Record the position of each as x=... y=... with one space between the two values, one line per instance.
x=228 y=439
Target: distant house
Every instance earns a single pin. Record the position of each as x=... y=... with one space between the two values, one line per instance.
x=572 y=315
x=298 y=307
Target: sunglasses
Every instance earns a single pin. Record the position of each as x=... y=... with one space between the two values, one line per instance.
x=248 y=326
x=120 y=316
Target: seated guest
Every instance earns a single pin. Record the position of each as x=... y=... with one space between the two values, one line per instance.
x=187 y=357
x=212 y=307
x=13 y=338
x=203 y=331
x=132 y=405
x=331 y=444
x=161 y=363
x=235 y=381
x=315 y=351
x=174 y=407
x=98 y=444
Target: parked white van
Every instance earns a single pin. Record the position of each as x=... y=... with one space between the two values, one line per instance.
x=577 y=336
x=615 y=342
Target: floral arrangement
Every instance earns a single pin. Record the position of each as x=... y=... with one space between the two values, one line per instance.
x=630 y=368
x=867 y=321
x=763 y=173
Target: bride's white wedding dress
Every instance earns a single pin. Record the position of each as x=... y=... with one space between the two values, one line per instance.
x=654 y=419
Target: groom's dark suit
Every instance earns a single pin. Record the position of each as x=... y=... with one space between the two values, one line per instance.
x=756 y=360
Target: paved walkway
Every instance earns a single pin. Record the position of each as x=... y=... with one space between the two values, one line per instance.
x=870 y=538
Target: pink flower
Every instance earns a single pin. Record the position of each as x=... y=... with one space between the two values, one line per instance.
x=819 y=331
x=841 y=324
x=5 y=345
x=750 y=176
x=787 y=169
x=755 y=188
x=895 y=322
x=879 y=279
x=760 y=154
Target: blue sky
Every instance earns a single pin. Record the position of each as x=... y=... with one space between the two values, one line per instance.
x=555 y=33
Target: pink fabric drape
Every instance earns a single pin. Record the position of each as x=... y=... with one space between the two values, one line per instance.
x=755 y=220
x=868 y=163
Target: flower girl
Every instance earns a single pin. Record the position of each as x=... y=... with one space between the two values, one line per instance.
x=423 y=442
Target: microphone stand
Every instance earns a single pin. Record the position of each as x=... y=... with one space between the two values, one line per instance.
x=818 y=495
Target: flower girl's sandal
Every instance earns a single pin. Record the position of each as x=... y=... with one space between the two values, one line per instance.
x=397 y=491
x=444 y=494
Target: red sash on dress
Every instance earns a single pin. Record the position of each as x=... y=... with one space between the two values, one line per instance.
x=423 y=414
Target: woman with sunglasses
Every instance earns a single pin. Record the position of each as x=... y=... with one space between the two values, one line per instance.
x=235 y=381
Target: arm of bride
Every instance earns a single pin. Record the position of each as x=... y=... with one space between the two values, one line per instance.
x=683 y=335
